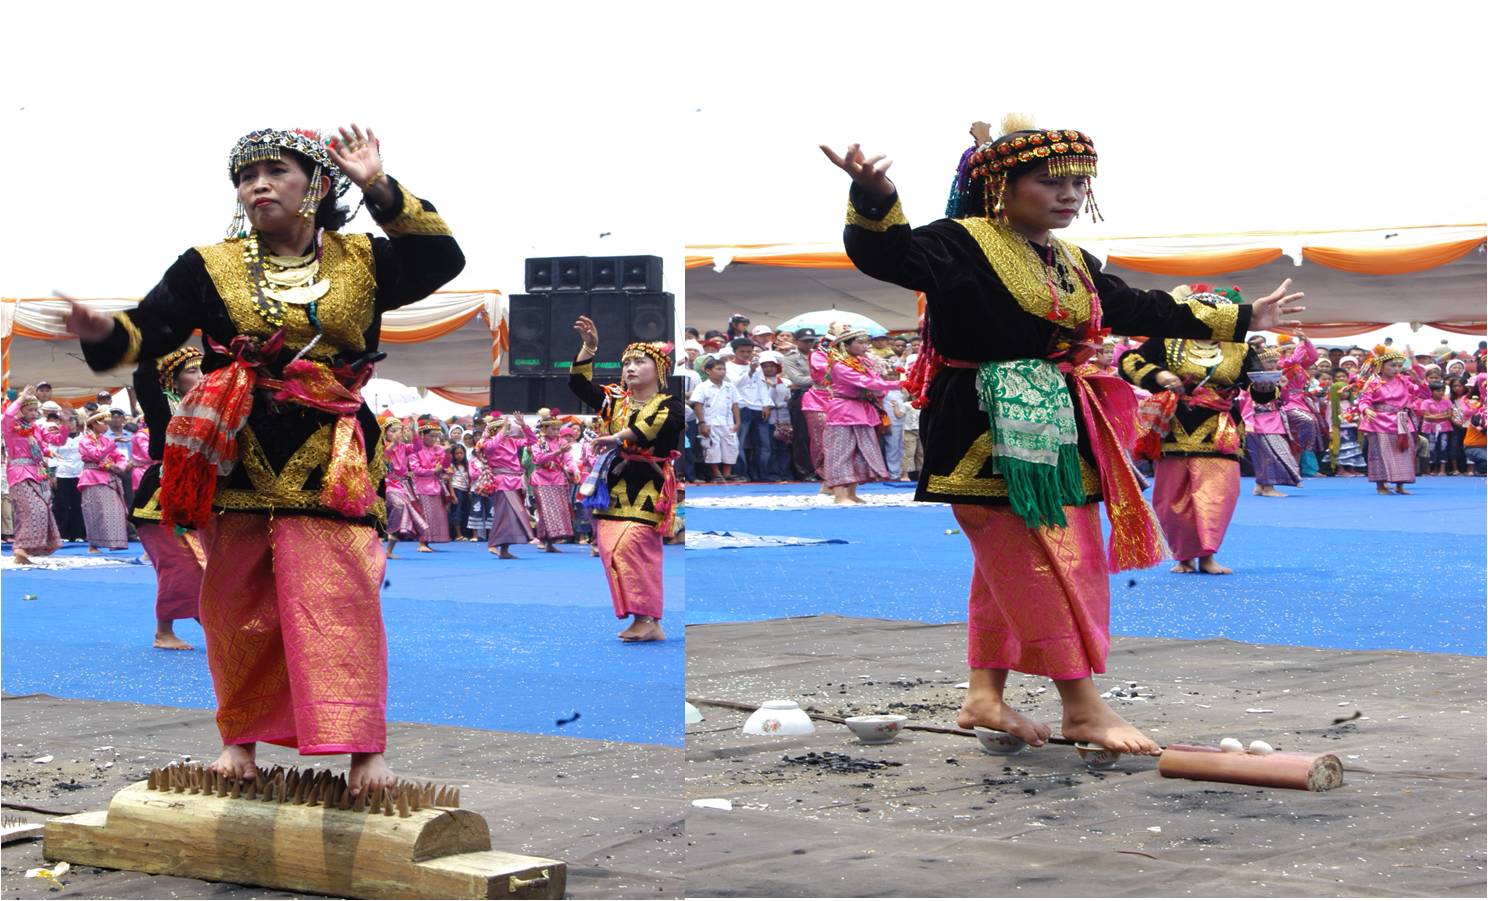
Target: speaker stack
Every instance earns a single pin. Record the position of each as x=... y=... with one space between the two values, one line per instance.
x=623 y=297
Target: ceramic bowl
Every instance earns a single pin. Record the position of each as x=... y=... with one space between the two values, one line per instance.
x=1097 y=757
x=995 y=742
x=876 y=730
x=779 y=718
x=691 y=714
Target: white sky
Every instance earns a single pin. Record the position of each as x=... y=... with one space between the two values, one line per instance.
x=534 y=130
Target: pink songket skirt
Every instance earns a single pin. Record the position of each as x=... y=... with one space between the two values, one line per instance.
x=1194 y=498
x=36 y=532
x=404 y=522
x=178 y=562
x=509 y=521
x=291 y=610
x=435 y=511
x=554 y=510
x=104 y=515
x=631 y=555
x=1387 y=462
x=1040 y=598
x=853 y=456
x=816 y=426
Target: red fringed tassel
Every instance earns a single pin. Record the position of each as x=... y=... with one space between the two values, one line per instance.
x=186 y=495
x=666 y=504
x=925 y=367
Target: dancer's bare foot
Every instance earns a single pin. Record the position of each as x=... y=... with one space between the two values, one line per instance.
x=551 y=549
x=1380 y=488
x=994 y=713
x=20 y=558
x=94 y=550
x=424 y=548
x=644 y=628
x=1211 y=566
x=169 y=641
x=1400 y=489
x=1099 y=724
x=1268 y=491
x=505 y=554
x=1183 y=566
x=235 y=762
x=369 y=772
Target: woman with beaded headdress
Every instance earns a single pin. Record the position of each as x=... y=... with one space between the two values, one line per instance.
x=405 y=522
x=1384 y=407
x=853 y=453
x=552 y=491
x=1263 y=413
x=274 y=457
x=1019 y=438
x=632 y=489
x=27 y=437
x=500 y=483
x=178 y=557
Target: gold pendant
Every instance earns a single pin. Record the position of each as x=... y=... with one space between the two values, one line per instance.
x=301 y=294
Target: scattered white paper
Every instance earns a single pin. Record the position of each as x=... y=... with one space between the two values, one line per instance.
x=1259 y=710
x=714 y=803
x=44 y=759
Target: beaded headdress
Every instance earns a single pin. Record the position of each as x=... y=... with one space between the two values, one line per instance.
x=270 y=144
x=98 y=414
x=658 y=353
x=430 y=426
x=171 y=365
x=982 y=177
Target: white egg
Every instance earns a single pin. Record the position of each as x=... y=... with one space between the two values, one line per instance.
x=1231 y=745
x=1260 y=747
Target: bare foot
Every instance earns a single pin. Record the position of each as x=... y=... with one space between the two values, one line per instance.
x=1183 y=566
x=235 y=762
x=369 y=772
x=425 y=549
x=550 y=549
x=1099 y=724
x=21 y=559
x=506 y=555
x=94 y=550
x=392 y=556
x=1381 y=489
x=170 y=642
x=993 y=713
x=1211 y=566
x=645 y=628
x=1268 y=491
x=1400 y=489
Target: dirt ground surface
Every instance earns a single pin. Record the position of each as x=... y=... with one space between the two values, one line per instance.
x=610 y=810
x=941 y=817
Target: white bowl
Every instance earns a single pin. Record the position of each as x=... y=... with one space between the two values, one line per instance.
x=879 y=729
x=995 y=742
x=1097 y=757
x=691 y=714
x=779 y=718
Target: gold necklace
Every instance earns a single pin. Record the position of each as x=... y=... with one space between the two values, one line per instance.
x=1204 y=354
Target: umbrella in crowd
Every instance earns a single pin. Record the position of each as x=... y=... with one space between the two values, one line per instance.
x=821 y=319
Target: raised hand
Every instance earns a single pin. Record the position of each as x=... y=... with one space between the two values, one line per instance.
x=1266 y=314
x=868 y=173
x=981 y=133
x=589 y=333
x=356 y=153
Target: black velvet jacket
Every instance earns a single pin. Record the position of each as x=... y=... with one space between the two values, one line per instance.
x=658 y=424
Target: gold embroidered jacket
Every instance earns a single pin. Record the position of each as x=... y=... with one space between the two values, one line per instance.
x=986 y=300
x=283 y=449
x=1193 y=428
x=634 y=484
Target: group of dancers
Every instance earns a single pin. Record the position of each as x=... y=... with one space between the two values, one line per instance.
x=274 y=478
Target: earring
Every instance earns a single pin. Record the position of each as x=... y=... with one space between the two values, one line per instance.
x=311 y=201
x=238 y=228
x=1091 y=208
x=999 y=208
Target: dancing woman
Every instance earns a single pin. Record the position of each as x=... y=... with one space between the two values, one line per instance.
x=552 y=492
x=500 y=484
x=1384 y=407
x=1196 y=482
x=854 y=415
x=105 y=516
x=274 y=457
x=178 y=558
x=405 y=521
x=643 y=428
x=27 y=437
x=1018 y=442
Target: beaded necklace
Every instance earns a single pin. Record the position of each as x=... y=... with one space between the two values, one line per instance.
x=279 y=280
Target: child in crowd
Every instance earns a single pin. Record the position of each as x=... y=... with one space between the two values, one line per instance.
x=716 y=403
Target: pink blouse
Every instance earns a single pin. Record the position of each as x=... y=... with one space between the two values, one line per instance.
x=1294 y=384
x=96 y=451
x=1261 y=419
x=852 y=402
x=816 y=399
x=427 y=464
x=548 y=461
x=23 y=447
x=503 y=456
x=1382 y=399
x=139 y=456
x=1436 y=415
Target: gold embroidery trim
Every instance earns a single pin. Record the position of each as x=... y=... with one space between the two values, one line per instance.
x=584 y=369
x=622 y=505
x=895 y=216
x=132 y=335
x=651 y=417
x=151 y=509
x=1136 y=367
x=1015 y=264
x=1225 y=374
x=345 y=312
x=413 y=219
x=963 y=479
x=1201 y=439
x=286 y=489
x=1221 y=319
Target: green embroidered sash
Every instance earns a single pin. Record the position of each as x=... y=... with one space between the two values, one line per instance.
x=1035 y=446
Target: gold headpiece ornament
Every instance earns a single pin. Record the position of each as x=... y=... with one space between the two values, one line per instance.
x=1023 y=145
x=658 y=353
x=174 y=363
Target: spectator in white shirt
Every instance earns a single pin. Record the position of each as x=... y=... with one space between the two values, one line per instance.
x=755 y=439
x=716 y=405
x=777 y=414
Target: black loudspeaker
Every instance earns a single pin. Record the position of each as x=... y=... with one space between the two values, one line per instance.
x=527 y=325
x=650 y=316
x=510 y=393
x=611 y=315
x=572 y=275
x=563 y=342
x=605 y=273
x=542 y=274
x=640 y=274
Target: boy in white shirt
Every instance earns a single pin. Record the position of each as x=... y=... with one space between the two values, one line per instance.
x=716 y=404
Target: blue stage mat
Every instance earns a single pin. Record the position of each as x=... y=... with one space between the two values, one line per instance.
x=1333 y=566
x=473 y=641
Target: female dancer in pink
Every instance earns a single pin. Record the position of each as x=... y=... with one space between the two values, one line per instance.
x=552 y=491
x=854 y=414
x=1384 y=407
x=104 y=513
x=405 y=522
x=35 y=533
x=500 y=483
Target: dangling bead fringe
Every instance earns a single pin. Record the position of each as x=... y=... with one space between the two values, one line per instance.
x=311 y=199
x=238 y=228
x=1091 y=208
